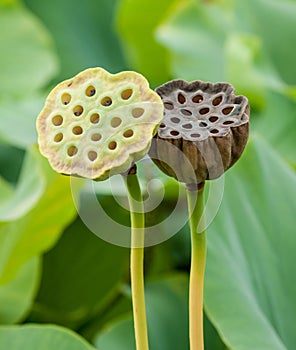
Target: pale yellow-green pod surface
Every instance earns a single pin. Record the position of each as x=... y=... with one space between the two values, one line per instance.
x=98 y=124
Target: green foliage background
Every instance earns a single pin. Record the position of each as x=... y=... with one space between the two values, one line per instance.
x=61 y=287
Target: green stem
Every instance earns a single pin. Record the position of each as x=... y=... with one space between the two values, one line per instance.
x=136 y=260
x=198 y=260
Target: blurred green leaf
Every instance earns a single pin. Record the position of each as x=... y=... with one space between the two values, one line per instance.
x=277 y=122
x=16 y=297
x=274 y=21
x=208 y=42
x=117 y=335
x=83 y=33
x=248 y=70
x=195 y=44
x=173 y=254
x=38 y=229
x=27 y=60
x=136 y=24
x=167 y=302
x=117 y=308
x=211 y=337
x=31 y=337
x=11 y=159
x=16 y=203
x=80 y=276
x=18 y=119
x=6 y=190
x=167 y=313
x=167 y=305
x=250 y=281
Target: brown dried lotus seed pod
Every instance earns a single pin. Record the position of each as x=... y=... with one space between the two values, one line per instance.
x=208 y=125
x=97 y=123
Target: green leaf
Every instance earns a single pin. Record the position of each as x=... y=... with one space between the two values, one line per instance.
x=81 y=275
x=167 y=313
x=136 y=23
x=31 y=337
x=167 y=309
x=118 y=335
x=83 y=33
x=18 y=119
x=277 y=122
x=248 y=69
x=37 y=230
x=27 y=61
x=210 y=42
x=5 y=190
x=250 y=281
x=274 y=21
x=118 y=308
x=30 y=187
x=211 y=337
x=196 y=46
x=11 y=159
x=16 y=297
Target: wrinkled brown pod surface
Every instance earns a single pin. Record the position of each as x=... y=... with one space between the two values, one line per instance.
x=207 y=122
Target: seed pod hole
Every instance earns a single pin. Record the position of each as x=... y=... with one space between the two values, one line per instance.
x=197 y=99
x=228 y=122
x=196 y=135
x=115 y=122
x=106 y=101
x=78 y=110
x=217 y=100
x=181 y=98
x=137 y=112
x=227 y=110
x=162 y=125
x=77 y=130
x=174 y=133
x=58 y=137
x=92 y=155
x=213 y=119
x=90 y=91
x=175 y=120
x=72 y=150
x=187 y=126
x=112 y=145
x=96 y=136
x=186 y=112
x=95 y=118
x=204 y=111
x=126 y=94
x=214 y=131
x=203 y=124
x=66 y=99
x=128 y=133
x=57 y=120
x=168 y=105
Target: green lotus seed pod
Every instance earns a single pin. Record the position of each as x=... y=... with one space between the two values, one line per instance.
x=208 y=125
x=97 y=123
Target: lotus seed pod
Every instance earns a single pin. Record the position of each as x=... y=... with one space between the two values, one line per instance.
x=97 y=124
x=207 y=123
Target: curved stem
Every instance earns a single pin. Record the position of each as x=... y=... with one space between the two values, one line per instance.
x=136 y=260
x=198 y=260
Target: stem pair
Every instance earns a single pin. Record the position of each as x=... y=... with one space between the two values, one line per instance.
x=198 y=258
